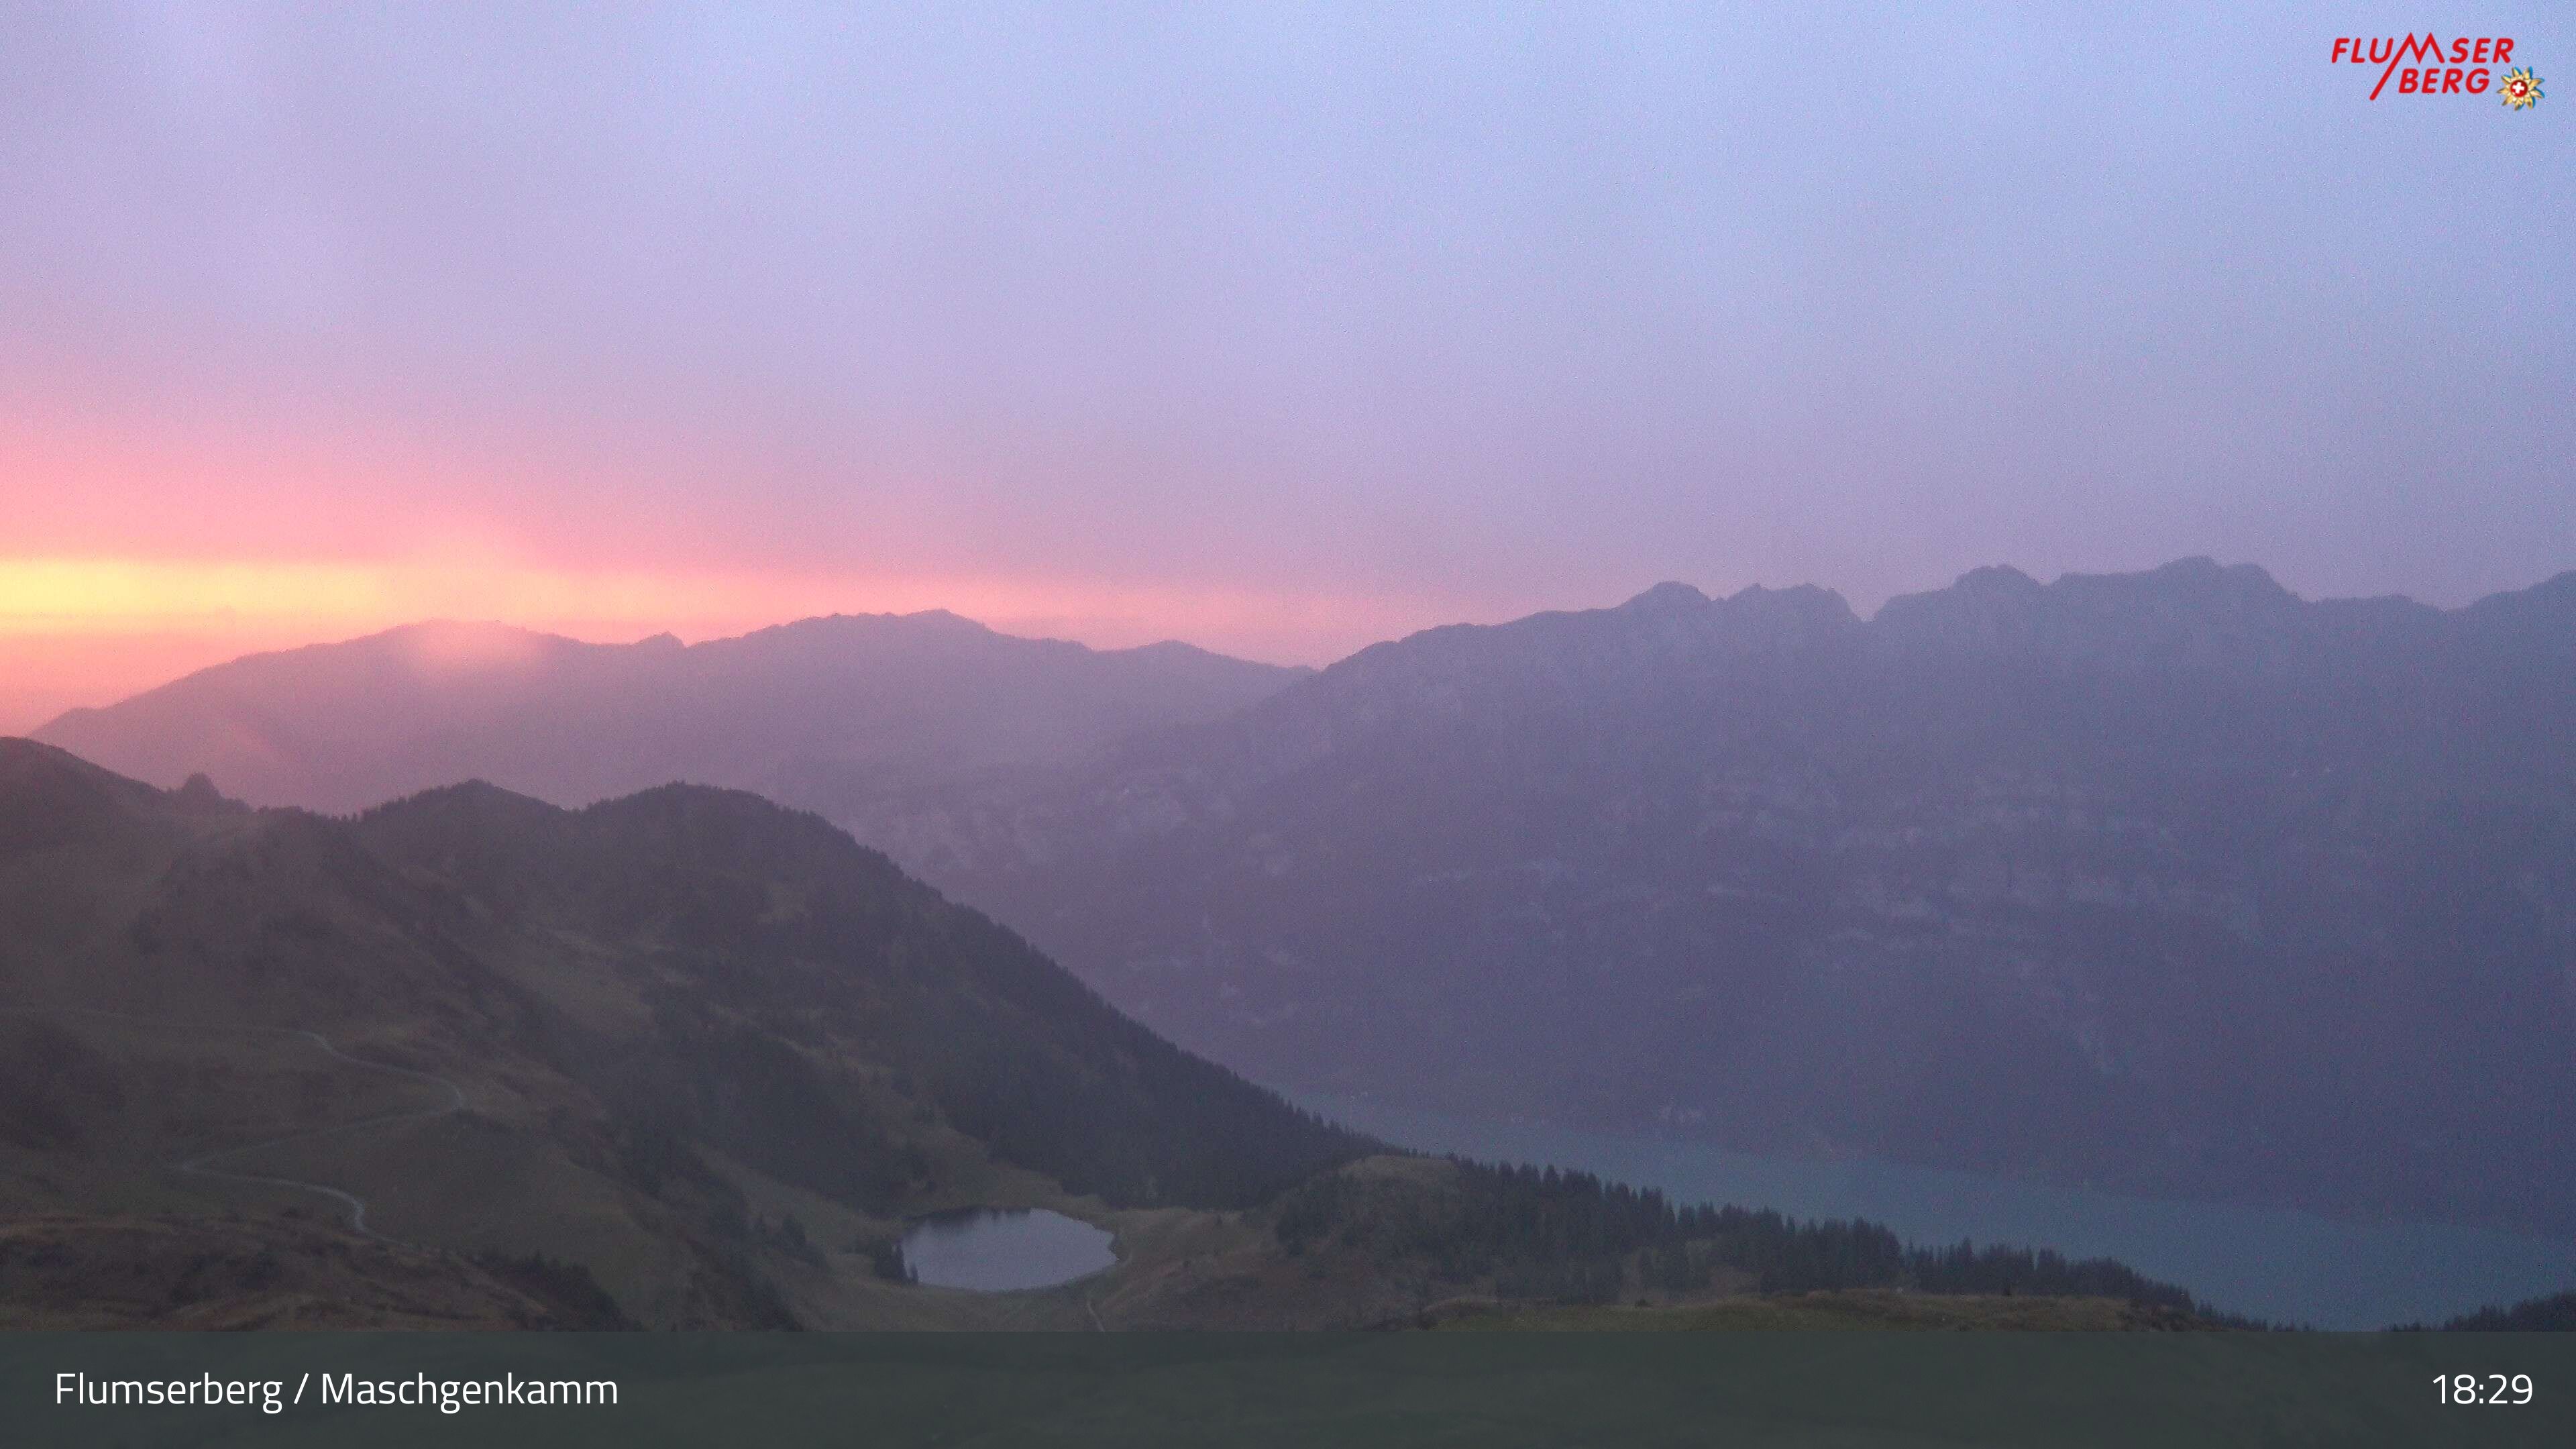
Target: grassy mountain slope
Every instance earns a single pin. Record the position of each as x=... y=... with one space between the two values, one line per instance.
x=702 y=1046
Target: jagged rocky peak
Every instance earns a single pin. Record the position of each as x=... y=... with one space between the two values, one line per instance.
x=200 y=797
x=2191 y=609
x=1989 y=608
x=1997 y=581
x=2537 y=622
x=1668 y=597
x=1753 y=614
x=2197 y=585
x=1800 y=617
x=1806 y=602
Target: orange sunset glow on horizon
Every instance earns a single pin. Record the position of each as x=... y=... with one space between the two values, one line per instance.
x=88 y=631
x=316 y=321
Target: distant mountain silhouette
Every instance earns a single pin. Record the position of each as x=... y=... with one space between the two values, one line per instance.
x=2170 y=880
x=800 y=711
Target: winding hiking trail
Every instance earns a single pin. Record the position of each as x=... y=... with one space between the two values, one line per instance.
x=357 y=1206
x=201 y=1165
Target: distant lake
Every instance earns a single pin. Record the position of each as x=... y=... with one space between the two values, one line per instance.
x=2275 y=1263
x=996 y=1250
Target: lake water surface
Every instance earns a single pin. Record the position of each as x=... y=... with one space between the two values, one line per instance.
x=2275 y=1263
x=996 y=1250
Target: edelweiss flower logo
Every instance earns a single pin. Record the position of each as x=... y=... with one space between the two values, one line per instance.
x=2521 y=88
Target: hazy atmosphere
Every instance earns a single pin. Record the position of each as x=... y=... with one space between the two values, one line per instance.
x=1003 y=678
x=1277 y=331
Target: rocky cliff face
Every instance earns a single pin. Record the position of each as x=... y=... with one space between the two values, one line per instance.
x=2171 y=880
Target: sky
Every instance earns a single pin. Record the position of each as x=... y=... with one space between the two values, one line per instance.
x=1276 y=328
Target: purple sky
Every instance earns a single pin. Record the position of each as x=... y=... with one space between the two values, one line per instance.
x=1275 y=328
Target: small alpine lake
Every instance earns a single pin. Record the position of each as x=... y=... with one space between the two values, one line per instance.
x=1002 y=1250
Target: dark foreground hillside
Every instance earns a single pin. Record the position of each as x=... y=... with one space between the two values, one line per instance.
x=697 y=1045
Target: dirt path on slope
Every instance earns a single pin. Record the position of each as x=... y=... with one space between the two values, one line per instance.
x=202 y=1164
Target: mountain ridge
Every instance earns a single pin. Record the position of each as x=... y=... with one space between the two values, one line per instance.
x=344 y=725
x=2100 y=879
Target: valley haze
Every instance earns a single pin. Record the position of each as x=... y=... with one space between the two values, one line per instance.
x=2168 y=882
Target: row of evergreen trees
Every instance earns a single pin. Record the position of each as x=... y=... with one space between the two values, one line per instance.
x=1542 y=1233
x=2553 y=1314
